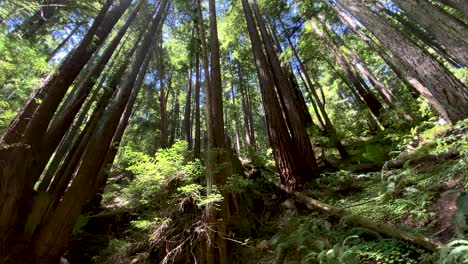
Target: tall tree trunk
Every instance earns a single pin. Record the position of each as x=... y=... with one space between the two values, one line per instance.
x=236 y=119
x=411 y=28
x=248 y=117
x=292 y=166
x=197 y=144
x=16 y=171
x=405 y=76
x=175 y=116
x=443 y=91
x=354 y=79
x=295 y=110
x=206 y=67
x=64 y=118
x=448 y=31
x=328 y=124
x=188 y=108
x=55 y=231
x=60 y=79
x=218 y=162
x=119 y=132
x=312 y=99
x=163 y=139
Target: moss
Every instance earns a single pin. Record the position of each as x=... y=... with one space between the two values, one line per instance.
x=434 y=132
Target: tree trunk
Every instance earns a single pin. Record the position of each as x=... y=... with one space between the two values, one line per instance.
x=451 y=33
x=383 y=228
x=218 y=162
x=188 y=108
x=247 y=110
x=175 y=116
x=293 y=169
x=411 y=28
x=328 y=124
x=119 y=132
x=197 y=144
x=163 y=143
x=64 y=119
x=295 y=112
x=60 y=80
x=354 y=79
x=55 y=231
x=405 y=76
x=17 y=170
x=236 y=119
x=443 y=91
x=206 y=67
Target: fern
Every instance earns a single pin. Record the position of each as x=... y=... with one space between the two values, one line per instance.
x=454 y=252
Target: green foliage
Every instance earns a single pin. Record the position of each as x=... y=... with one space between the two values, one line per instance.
x=390 y=251
x=141 y=224
x=21 y=69
x=455 y=252
x=238 y=184
x=151 y=174
x=115 y=253
x=301 y=235
x=311 y=239
x=340 y=253
x=197 y=193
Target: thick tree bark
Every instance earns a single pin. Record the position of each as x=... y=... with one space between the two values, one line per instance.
x=293 y=104
x=55 y=231
x=419 y=35
x=218 y=162
x=64 y=118
x=17 y=170
x=206 y=67
x=328 y=124
x=443 y=91
x=61 y=79
x=292 y=167
x=119 y=133
x=451 y=33
x=406 y=76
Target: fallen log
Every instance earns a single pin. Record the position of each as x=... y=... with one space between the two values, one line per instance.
x=396 y=164
x=410 y=159
x=383 y=228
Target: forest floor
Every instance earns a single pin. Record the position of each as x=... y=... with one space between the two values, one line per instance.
x=422 y=193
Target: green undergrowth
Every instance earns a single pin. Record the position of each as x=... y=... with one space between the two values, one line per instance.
x=405 y=197
x=165 y=196
x=314 y=239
